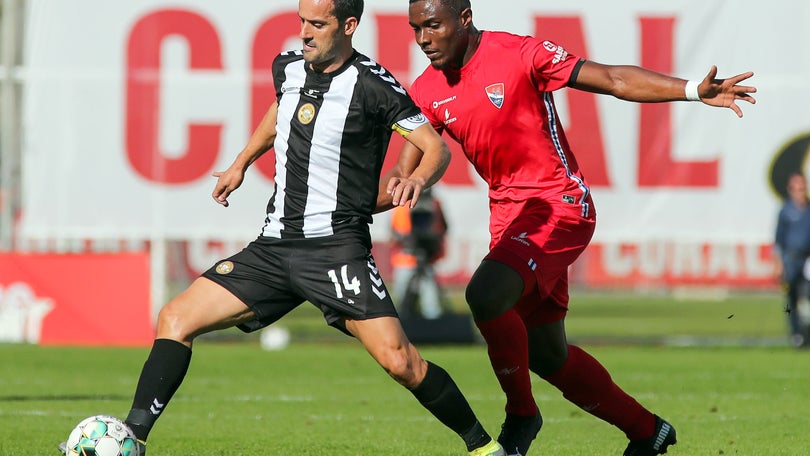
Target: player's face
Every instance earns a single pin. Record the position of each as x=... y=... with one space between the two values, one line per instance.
x=439 y=32
x=322 y=35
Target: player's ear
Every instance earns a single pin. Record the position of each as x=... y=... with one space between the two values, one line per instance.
x=350 y=25
x=466 y=18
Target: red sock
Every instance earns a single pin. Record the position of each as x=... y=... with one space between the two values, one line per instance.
x=586 y=383
x=507 y=345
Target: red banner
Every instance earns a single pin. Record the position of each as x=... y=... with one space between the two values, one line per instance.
x=672 y=264
x=75 y=299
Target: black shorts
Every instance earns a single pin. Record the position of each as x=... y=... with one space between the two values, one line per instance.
x=335 y=273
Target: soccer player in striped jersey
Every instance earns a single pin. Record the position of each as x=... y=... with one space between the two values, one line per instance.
x=330 y=126
x=492 y=92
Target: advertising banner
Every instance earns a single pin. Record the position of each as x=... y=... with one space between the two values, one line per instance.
x=128 y=114
x=89 y=300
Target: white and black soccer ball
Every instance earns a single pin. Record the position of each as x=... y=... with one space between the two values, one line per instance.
x=102 y=435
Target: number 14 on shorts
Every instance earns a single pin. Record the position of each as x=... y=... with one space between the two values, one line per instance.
x=346 y=284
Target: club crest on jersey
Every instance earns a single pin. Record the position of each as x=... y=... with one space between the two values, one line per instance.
x=495 y=94
x=306 y=113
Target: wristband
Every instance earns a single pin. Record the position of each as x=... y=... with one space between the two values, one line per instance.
x=692 y=91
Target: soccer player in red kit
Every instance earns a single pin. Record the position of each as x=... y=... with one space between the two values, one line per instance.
x=492 y=92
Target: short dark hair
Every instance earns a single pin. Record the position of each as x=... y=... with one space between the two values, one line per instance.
x=455 y=5
x=344 y=9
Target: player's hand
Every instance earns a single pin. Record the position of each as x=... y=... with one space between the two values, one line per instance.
x=405 y=191
x=227 y=181
x=725 y=93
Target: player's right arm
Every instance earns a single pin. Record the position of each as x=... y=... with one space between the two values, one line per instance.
x=260 y=142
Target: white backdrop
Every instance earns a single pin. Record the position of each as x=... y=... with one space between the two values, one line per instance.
x=79 y=180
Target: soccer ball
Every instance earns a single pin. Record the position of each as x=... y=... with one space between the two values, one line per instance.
x=102 y=435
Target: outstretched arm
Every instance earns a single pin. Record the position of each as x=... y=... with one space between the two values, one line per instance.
x=260 y=142
x=422 y=162
x=633 y=83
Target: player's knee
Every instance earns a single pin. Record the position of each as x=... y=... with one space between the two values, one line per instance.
x=547 y=360
x=172 y=323
x=486 y=300
x=400 y=367
x=493 y=289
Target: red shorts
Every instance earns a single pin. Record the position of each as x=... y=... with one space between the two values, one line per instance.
x=540 y=243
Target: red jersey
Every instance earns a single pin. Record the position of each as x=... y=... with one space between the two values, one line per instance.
x=499 y=107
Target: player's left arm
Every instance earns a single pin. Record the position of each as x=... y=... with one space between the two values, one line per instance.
x=408 y=160
x=633 y=83
x=422 y=162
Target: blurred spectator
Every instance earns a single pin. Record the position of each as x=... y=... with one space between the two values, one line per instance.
x=418 y=236
x=792 y=249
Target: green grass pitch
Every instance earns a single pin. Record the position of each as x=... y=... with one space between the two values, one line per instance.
x=740 y=391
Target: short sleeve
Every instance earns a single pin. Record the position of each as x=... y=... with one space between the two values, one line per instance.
x=550 y=64
x=386 y=96
x=279 y=66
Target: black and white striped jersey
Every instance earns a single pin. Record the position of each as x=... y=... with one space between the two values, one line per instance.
x=333 y=130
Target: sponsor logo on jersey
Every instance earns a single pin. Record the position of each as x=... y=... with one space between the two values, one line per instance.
x=224 y=268
x=568 y=199
x=521 y=238
x=436 y=104
x=495 y=94
x=448 y=119
x=306 y=113
x=311 y=93
x=560 y=54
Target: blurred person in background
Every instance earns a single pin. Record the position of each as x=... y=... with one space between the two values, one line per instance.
x=492 y=92
x=792 y=250
x=418 y=236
